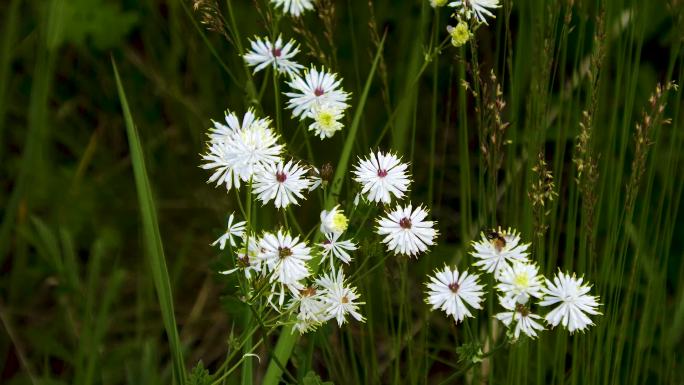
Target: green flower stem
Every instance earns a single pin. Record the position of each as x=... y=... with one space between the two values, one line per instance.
x=287 y=339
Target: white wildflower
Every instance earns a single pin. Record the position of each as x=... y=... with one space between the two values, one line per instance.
x=333 y=247
x=236 y=153
x=524 y=319
x=406 y=231
x=498 y=249
x=450 y=290
x=277 y=55
x=481 y=8
x=333 y=221
x=340 y=298
x=294 y=7
x=520 y=281
x=315 y=88
x=382 y=175
x=572 y=301
x=326 y=120
x=282 y=182
x=233 y=230
x=285 y=259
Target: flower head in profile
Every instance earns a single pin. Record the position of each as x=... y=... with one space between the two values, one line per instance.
x=221 y=132
x=572 y=301
x=320 y=178
x=283 y=183
x=247 y=257
x=480 y=8
x=236 y=152
x=341 y=299
x=233 y=230
x=497 y=249
x=326 y=120
x=315 y=88
x=294 y=7
x=333 y=247
x=450 y=291
x=460 y=34
x=264 y=53
x=285 y=259
x=333 y=221
x=406 y=231
x=382 y=176
x=520 y=281
x=520 y=315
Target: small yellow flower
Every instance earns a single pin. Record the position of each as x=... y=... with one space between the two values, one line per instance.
x=326 y=120
x=333 y=221
x=459 y=34
x=339 y=222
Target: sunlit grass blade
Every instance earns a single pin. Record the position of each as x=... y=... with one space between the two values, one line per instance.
x=152 y=237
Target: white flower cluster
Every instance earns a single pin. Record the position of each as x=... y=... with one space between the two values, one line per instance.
x=282 y=261
x=518 y=285
x=285 y=262
x=316 y=94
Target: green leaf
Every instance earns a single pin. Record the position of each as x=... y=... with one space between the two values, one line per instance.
x=199 y=375
x=312 y=378
x=99 y=22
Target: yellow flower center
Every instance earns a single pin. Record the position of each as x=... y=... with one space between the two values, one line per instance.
x=339 y=222
x=326 y=119
x=522 y=280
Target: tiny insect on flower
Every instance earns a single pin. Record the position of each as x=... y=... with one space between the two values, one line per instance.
x=498 y=249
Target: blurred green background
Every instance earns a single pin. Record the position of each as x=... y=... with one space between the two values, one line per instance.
x=77 y=301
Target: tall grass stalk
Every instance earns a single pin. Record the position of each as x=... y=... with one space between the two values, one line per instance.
x=152 y=237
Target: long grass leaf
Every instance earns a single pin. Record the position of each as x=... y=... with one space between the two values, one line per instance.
x=152 y=237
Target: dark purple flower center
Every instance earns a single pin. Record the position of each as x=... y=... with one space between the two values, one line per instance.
x=382 y=173
x=318 y=91
x=276 y=52
x=454 y=287
x=405 y=223
x=281 y=176
x=308 y=291
x=284 y=252
x=520 y=308
x=243 y=261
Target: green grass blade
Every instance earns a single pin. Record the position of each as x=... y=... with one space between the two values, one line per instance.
x=152 y=237
x=343 y=163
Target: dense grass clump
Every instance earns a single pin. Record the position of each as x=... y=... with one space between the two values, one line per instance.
x=558 y=120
